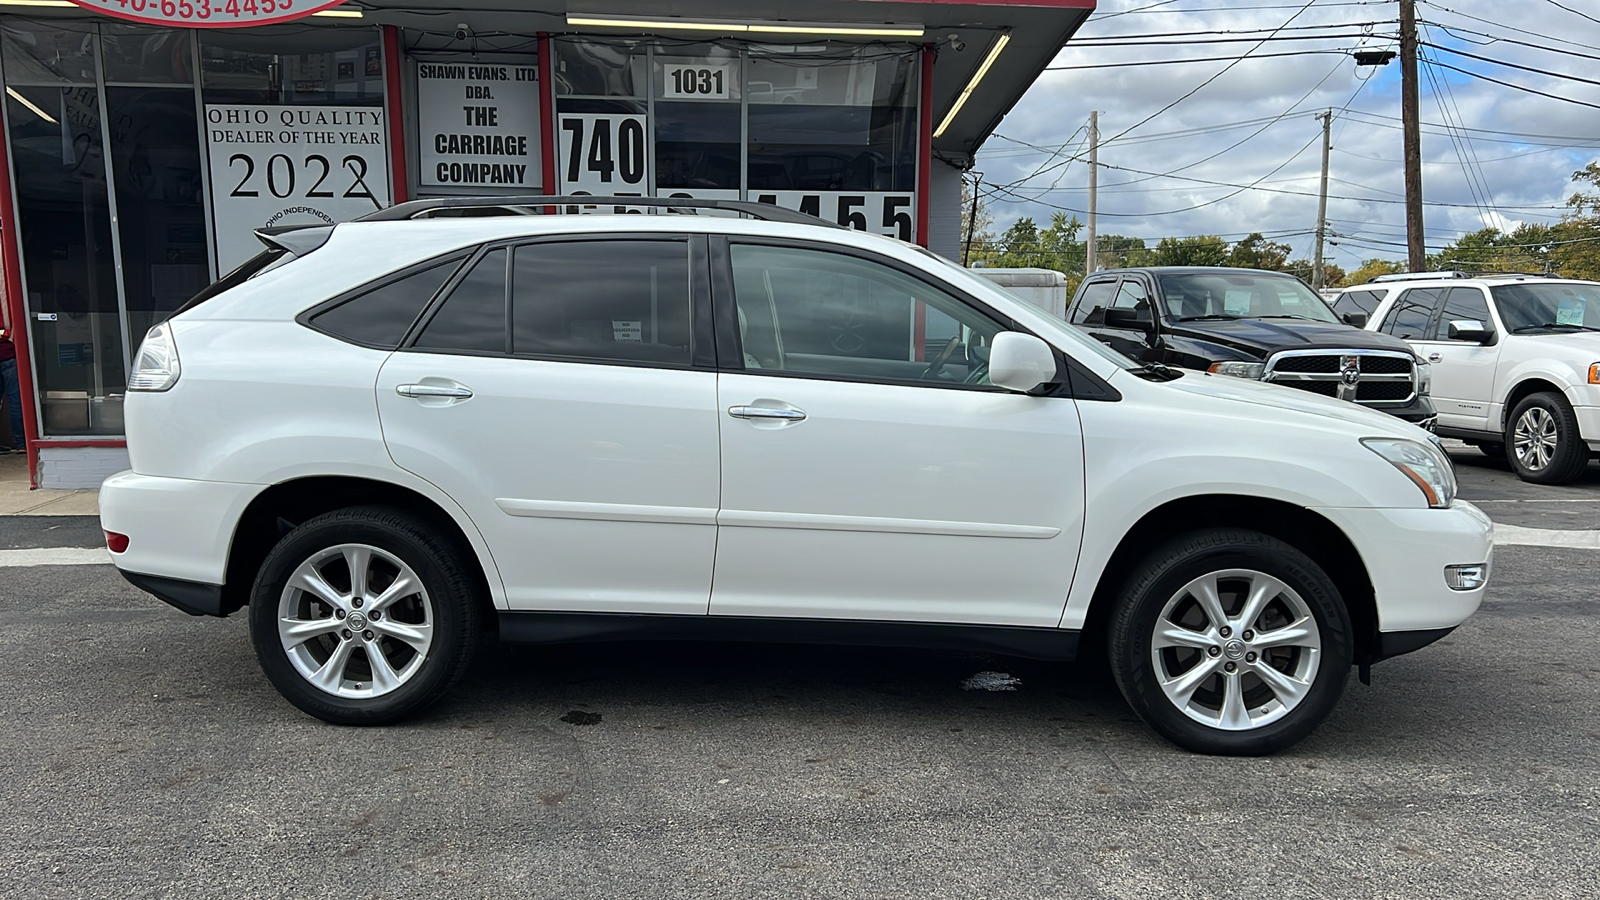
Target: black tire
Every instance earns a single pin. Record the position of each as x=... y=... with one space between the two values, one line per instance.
x=1495 y=451
x=448 y=609
x=1169 y=570
x=1562 y=464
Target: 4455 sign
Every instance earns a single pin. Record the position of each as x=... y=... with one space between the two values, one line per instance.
x=207 y=13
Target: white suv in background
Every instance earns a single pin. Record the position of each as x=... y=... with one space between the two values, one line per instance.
x=1516 y=363
x=388 y=437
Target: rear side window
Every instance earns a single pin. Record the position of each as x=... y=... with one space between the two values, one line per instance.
x=621 y=301
x=1358 y=302
x=380 y=317
x=1411 y=314
x=473 y=317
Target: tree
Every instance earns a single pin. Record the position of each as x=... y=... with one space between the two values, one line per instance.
x=1256 y=252
x=1332 y=275
x=1204 y=250
x=1372 y=268
x=1024 y=246
x=1114 y=251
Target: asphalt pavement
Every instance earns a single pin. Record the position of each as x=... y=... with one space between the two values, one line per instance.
x=144 y=755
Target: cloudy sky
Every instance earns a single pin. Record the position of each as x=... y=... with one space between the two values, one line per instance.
x=1493 y=154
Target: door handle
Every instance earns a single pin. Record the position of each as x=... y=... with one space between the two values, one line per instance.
x=433 y=390
x=765 y=412
x=1434 y=357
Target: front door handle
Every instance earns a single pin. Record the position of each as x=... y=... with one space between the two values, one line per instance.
x=457 y=392
x=765 y=412
x=1434 y=357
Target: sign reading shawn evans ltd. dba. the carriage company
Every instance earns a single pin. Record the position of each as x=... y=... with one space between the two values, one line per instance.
x=478 y=124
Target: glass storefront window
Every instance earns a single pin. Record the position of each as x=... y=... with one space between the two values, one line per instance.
x=293 y=64
x=55 y=53
x=698 y=118
x=143 y=55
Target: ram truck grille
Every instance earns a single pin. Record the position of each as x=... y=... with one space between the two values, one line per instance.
x=1370 y=377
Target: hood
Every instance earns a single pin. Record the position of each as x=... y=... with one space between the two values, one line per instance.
x=1263 y=337
x=1260 y=394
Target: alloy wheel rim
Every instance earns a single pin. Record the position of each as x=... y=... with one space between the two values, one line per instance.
x=1534 y=438
x=355 y=621
x=1236 y=649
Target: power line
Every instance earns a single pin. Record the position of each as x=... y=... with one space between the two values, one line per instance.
x=1509 y=65
x=1581 y=15
x=1517 y=87
x=1144 y=63
x=1505 y=26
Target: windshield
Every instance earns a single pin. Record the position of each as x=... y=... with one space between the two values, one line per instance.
x=977 y=284
x=1553 y=304
x=1241 y=295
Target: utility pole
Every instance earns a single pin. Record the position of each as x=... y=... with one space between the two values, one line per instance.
x=1409 y=113
x=972 y=220
x=1317 y=278
x=1094 y=188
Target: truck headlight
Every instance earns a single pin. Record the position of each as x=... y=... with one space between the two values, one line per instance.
x=1425 y=464
x=1253 y=370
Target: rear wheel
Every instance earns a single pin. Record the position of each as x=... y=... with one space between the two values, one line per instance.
x=1232 y=642
x=1543 y=439
x=364 y=616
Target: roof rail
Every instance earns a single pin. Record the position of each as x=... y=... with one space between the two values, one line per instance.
x=1420 y=276
x=535 y=204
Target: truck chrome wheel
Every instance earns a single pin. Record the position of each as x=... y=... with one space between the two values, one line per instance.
x=1534 y=438
x=1236 y=649
x=355 y=621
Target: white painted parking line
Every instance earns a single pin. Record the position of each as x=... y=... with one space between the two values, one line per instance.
x=1516 y=535
x=55 y=556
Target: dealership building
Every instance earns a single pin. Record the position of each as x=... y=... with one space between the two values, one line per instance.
x=146 y=140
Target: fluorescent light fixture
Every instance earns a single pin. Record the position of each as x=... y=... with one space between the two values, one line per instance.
x=36 y=3
x=12 y=93
x=994 y=53
x=745 y=27
x=340 y=13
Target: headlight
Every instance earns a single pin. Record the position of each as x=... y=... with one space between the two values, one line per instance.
x=1425 y=378
x=155 y=367
x=1238 y=369
x=1426 y=465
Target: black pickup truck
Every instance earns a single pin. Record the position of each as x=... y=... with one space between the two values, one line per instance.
x=1253 y=324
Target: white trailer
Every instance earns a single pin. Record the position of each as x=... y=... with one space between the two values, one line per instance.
x=1044 y=288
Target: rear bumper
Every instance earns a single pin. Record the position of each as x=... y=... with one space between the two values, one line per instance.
x=1396 y=643
x=192 y=597
x=179 y=533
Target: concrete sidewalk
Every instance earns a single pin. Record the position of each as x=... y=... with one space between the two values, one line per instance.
x=17 y=500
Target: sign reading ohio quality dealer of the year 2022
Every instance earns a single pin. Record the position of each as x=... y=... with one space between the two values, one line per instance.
x=478 y=124
x=291 y=165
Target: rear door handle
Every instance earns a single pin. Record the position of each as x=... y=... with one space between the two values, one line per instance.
x=765 y=412
x=457 y=392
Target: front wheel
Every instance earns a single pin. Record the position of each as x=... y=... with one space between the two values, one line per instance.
x=363 y=616
x=1228 y=641
x=1543 y=439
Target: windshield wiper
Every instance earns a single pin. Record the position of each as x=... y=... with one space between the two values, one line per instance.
x=1156 y=372
x=1552 y=325
x=1287 y=316
x=1212 y=316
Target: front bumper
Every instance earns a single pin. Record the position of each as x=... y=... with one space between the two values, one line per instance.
x=179 y=534
x=1406 y=552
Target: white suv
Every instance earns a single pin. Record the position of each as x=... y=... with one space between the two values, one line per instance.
x=389 y=436
x=1516 y=363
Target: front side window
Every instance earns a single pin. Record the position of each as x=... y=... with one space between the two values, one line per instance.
x=1463 y=304
x=821 y=313
x=1132 y=296
x=1092 y=305
x=1412 y=313
x=473 y=317
x=621 y=301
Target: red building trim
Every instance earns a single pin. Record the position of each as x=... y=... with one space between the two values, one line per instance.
x=925 y=145
x=47 y=443
x=399 y=176
x=16 y=309
x=547 y=114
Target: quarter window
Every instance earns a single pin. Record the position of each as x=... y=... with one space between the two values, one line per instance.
x=625 y=301
x=473 y=318
x=1412 y=313
x=822 y=313
x=1463 y=304
x=380 y=317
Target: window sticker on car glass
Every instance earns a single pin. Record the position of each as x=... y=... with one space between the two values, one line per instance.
x=1236 y=303
x=629 y=331
x=1571 y=311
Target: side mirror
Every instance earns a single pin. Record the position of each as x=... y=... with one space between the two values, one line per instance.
x=1020 y=362
x=1356 y=319
x=1470 y=330
x=1122 y=317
